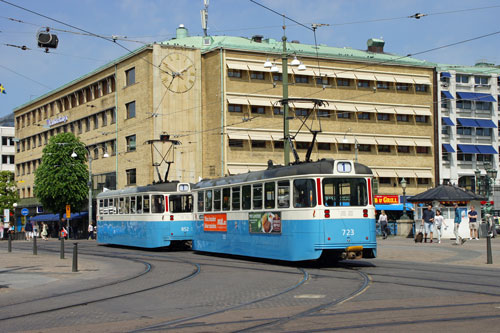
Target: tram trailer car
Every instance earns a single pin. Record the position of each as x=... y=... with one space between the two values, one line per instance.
x=151 y=216
x=300 y=212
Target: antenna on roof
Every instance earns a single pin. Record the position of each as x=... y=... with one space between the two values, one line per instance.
x=204 y=17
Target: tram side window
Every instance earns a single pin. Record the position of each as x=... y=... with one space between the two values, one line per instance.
x=101 y=206
x=236 y=198
x=304 y=194
x=201 y=207
x=257 y=196
x=284 y=194
x=270 y=195
x=247 y=197
x=147 y=204
x=158 y=204
x=181 y=203
x=216 y=200
x=121 y=207
x=139 y=204
x=106 y=206
x=126 y=210
x=226 y=199
x=132 y=205
x=345 y=192
x=208 y=200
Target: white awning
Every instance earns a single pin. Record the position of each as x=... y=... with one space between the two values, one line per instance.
x=258 y=68
x=257 y=167
x=326 y=139
x=302 y=105
x=307 y=72
x=347 y=74
x=385 y=78
x=259 y=101
x=237 y=169
x=385 y=173
x=422 y=112
x=237 y=65
x=423 y=173
x=403 y=110
x=348 y=139
x=237 y=100
x=405 y=173
x=404 y=79
x=329 y=106
x=365 y=108
x=386 y=141
x=304 y=138
x=238 y=135
x=365 y=76
x=323 y=72
x=405 y=142
x=277 y=137
x=423 y=143
x=345 y=107
x=386 y=109
x=365 y=140
x=422 y=80
x=256 y=136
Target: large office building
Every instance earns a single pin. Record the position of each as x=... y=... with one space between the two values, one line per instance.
x=468 y=110
x=214 y=102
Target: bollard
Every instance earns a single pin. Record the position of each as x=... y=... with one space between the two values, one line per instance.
x=35 y=249
x=10 y=243
x=489 y=258
x=75 y=257
x=62 y=249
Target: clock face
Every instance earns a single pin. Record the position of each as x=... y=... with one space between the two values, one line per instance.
x=178 y=72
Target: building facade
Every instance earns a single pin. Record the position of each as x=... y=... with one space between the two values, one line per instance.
x=7 y=149
x=468 y=112
x=208 y=107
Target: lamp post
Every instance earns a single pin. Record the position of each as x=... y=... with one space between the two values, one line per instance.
x=89 y=183
x=403 y=186
x=344 y=140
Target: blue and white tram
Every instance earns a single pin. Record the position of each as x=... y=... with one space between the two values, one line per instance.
x=146 y=216
x=298 y=212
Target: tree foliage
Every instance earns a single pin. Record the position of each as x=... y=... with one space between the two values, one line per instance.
x=61 y=179
x=8 y=191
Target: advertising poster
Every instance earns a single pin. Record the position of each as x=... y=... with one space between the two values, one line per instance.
x=265 y=222
x=215 y=222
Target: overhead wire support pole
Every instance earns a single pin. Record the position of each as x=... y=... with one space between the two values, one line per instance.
x=286 y=128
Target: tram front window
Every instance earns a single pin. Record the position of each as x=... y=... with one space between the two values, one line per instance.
x=158 y=204
x=180 y=203
x=304 y=194
x=345 y=192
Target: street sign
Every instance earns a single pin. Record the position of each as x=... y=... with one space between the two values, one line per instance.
x=6 y=215
x=68 y=211
x=24 y=212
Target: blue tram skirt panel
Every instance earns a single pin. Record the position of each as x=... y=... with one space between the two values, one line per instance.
x=147 y=234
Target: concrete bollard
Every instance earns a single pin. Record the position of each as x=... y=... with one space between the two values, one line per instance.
x=35 y=249
x=489 y=257
x=61 y=256
x=75 y=257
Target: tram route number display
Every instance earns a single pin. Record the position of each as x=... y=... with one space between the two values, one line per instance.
x=215 y=222
x=265 y=222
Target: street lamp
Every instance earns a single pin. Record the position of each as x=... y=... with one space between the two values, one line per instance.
x=403 y=186
x=344 y=140
x=89 y=184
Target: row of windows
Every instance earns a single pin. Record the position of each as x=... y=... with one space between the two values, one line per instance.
x=146 y=204
x=277 y=194
x=409 y=181
x=77 y=98
x=328 y=81
x=470 y=157
x=8 y=159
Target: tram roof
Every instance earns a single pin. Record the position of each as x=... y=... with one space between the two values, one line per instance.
x=323 y=167
x=160 y=187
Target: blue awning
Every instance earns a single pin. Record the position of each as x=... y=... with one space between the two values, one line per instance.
x=486 y=149
x=409 y=207
x=55 y=217
x=447 y=94
x=445 y=74
x=468 y=122
x=468 y=149
x=447 y=121
x=448 y=148
x=486 y=123
x=476 y=96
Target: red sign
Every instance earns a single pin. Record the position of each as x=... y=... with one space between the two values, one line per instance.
x=215 y=222
x=386 y=199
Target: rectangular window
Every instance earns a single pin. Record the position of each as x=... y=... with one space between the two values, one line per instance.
x=304 y=193
x=132 y=205
x=486 y=106
x=87 y=124
x=246 y=202
x=104 y=119
x=234 y=73
x=343 y=115
x=484 y=157
x=363 y=115
x=279 y=145
x=139 y=204
x=382 y=85
x=301 y=112
x=402 y=86
x=130 y=110
x=235 y=108
x=201 y=206
x=461 y=104
x=130 y=76
x=258 y=144
x=301 y=79
x=344 y=147
x=384 y=148
x=323 y=81
x=157 y=204
x=208 y=200
x=323 y=146
x=235 y=143
x=343 y=82
x=464 y=130
x=113 y=116
x=483 y=131
x=235 y=198
x=257 y=75
x=278 y=111
x=131 y=177
x=403 y=149
x=421 y=87
x=464 y=157
x=461 y=78
x=131 y=143
x=180 y=203
x=258 y=109
x=96 y=122
x=423 y=181
x=302 y=145
x=421 y=119
x=217 y=200
x=344 y=192
x=363 y=84
x=423 y=150
x=481 y=80
x=403 y=117
x=324 y=113
x=383 y=116
x=283 y=194
x=257 y=196
x=270 y=195
x=365 y=148
x=226 y=198
x=277 y=77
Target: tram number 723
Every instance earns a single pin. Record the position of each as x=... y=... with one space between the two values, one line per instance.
x=347 y=232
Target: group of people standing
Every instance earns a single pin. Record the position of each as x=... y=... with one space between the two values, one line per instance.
x=32 y=230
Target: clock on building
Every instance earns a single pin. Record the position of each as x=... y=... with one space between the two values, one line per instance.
x=178 y=72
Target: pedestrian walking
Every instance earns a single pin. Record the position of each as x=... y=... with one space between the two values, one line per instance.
x=45 y=231
x=456 y=227
x=439 y=222
x=382 y=220
x=428 y=223
x=28 y=230
x=91 y=231
x=473 y=223
x=35 y=230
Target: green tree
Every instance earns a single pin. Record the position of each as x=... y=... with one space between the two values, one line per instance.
x=61 y=179
x=8 y=191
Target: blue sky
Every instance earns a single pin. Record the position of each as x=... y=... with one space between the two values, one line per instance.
x=31 y=73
